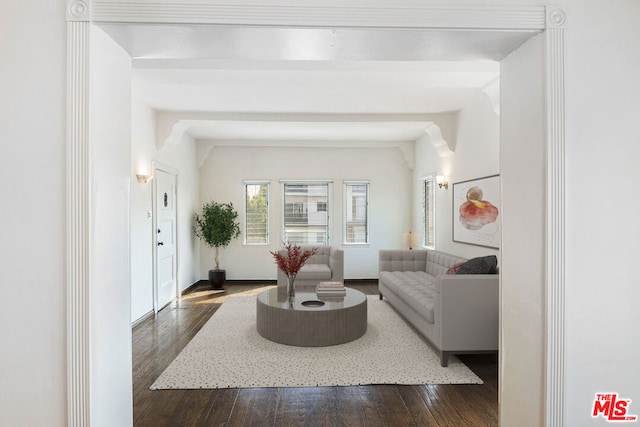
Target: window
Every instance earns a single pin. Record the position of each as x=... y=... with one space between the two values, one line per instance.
x=429 y=212
x=356 y=212
x=256 y=224
x=306 y=214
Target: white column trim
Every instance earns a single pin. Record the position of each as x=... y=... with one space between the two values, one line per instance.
x=555 y=225
x=78 y=10
x=78 y=205
x=314 y=14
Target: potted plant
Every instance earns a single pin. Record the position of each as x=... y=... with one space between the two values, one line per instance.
x=216 y=227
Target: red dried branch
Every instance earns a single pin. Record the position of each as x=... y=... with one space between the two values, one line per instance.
x=294 y=259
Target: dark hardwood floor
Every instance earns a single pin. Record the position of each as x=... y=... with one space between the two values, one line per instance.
x=158 y=340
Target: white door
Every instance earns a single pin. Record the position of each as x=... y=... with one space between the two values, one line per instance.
x=165 y=239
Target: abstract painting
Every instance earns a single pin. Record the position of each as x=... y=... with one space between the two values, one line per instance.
x=476 y=212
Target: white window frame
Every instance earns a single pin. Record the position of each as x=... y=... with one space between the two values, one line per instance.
x=345 y=213
x=326 y=182
x=431 y=182
x=268 y=225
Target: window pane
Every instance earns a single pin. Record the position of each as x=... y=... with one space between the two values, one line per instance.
x=256 y=215
x=356 y=211
x=306 y=218
x=428 y=212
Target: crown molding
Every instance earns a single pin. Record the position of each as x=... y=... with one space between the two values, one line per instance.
x=492 y=90
x=172 y=126
x=437 y=140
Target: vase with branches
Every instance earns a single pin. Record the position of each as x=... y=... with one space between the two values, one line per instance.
x=217 y=226
x=290 y=262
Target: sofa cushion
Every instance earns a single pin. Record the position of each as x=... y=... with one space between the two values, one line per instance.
x=439 y=262
x=416 y=288
x=454 y=269
x=401 y=260
x=480 y=265
x=322 y=255
x=314 y=272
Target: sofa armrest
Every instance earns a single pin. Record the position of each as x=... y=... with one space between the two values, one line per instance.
x=467 y=311
x=336 y=264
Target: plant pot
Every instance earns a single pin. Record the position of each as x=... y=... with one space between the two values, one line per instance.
x=217 y=278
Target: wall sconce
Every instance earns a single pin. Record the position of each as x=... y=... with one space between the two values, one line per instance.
x=442 y=181
x=410 y=240
x=143 y=179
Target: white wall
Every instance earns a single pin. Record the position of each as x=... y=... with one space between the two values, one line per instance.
x=142 y=152
x=32 y=213
x=110 y=297
x=221 y=180
x=603 y=149
x=181 y=157
x=476 y=147
x=523 y=224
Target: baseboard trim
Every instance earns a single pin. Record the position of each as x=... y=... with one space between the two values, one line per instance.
x=265 y=282
x=360 y=281
x=205 y=283
x=142 y=319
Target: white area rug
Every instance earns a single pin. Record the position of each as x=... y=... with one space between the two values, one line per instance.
x=228 y=352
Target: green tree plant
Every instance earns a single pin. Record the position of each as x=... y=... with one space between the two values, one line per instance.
x=217 y=226
x=257 y=213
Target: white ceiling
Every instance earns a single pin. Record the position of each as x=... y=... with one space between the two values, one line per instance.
x=312 y=86
x=318 y=44
x=320 y=71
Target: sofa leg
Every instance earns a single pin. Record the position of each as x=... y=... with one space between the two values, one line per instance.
x=381 y=296
x=444 y=358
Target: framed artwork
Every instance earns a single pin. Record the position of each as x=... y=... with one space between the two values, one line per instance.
x=476 y=212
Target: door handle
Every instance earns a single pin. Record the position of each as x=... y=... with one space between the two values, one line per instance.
x=160 y=243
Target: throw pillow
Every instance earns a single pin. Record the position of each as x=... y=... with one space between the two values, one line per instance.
x=454 y=269
x=480 y=265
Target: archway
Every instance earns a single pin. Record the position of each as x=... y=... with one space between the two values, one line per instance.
x=82 y=14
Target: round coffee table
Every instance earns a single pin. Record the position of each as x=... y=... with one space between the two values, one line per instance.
x=310 y=321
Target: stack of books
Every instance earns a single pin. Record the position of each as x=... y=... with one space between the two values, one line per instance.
x=331 y=290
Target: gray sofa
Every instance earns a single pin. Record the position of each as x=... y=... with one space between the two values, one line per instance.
x=326 y=265
x=457 y=313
